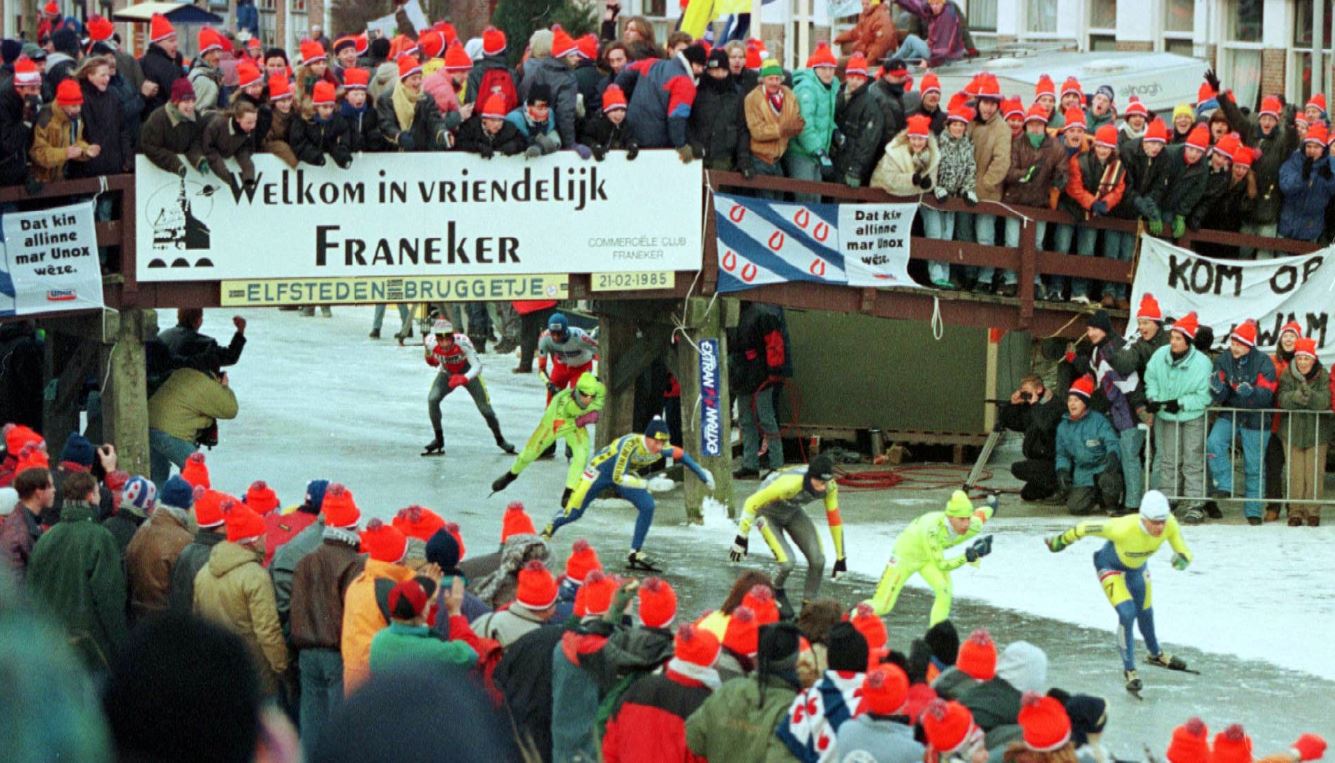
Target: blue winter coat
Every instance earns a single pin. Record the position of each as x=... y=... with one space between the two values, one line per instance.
x=520 y=121
x=816 y=101
x=1083 y=446
x=662 y=94
x=1303 y=215
x=1246 y=382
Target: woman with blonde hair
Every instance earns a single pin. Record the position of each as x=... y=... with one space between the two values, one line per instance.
x=104 y=121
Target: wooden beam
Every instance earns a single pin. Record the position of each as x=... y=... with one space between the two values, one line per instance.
x=616 y=337
x=705 y=322
x=125 y=401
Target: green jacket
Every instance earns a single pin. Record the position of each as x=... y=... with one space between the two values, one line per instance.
x=77 y=573
x=816 y=102
x=189 y=401
x=1297 y=393
x=1186 y=380
x=416 y=644
x=735 y=725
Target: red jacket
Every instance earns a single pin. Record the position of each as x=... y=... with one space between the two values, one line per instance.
x=650 y=724
x=281 y=528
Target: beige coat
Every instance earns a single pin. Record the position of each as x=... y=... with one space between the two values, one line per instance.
x=894 y=173
x=992 y=152
x=234 y=591
x=771 y=132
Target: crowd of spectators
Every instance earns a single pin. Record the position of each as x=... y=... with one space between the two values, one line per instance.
x=77 y=105
x=1199 y=412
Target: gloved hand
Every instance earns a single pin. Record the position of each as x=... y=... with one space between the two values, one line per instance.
x=249 y=184
x=1212 y=80
x=917 y=179
x=1099 y=208
x=1153 y=406
x=552 y=389
x=840 y=568
x=1179 y=226
x=180 y=171
x=406 y=141
x=1155 y=226
x=632 y=151
x=838 y=139
x=1218 y=383
x=565 y=497
x=533 y=151
x=697 y=151
x=599 y=153
x=1112 y=462
x=1055 y=543
x=319 y=161
x=344 y=162
x=548 y=142
x=980 y=548
x=1244 y=389
x=1180 y=562
x=487 y=151
x=970 y=198
x=925 y=182
x=203 y=166
x=587 y=419
x=458 y=380
x=583 y=151
x=684 y=153
x=940 y=193
x=1172 y=406
x=1310 y=747
x=852 y=181
x=32 y=185
x=738 y=548
x=710 y=484
x=748 y=172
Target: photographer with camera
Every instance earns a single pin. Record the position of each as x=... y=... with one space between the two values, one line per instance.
x=1036 y=412
x=184 y=413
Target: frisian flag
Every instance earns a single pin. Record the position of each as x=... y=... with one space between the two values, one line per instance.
x=765 y=242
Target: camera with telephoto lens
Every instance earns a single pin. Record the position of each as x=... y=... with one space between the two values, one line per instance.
x=1026 y=397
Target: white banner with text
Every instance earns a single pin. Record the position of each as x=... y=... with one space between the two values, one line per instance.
x=49 y=261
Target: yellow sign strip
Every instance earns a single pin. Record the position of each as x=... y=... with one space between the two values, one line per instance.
x=349 y=291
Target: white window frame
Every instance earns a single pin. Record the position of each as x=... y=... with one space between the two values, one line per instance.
x=1091 y=31
x=1293 y=85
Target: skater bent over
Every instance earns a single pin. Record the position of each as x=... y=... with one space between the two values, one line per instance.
x=1120 y=564
x=615 y=466
x=920 y=549
x=569 y=412
x=779 y=504
x=571 y=350
x=452 y=354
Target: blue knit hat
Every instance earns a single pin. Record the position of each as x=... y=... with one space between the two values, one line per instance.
x=177 y=493
x=138 y=496
x=442 y=549
x=78 y=450
x=315 y=490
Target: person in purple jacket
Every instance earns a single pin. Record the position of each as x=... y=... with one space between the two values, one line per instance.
x=945 y=33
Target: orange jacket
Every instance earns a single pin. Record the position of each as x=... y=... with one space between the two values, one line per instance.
x=362 y=619
x=873 y=36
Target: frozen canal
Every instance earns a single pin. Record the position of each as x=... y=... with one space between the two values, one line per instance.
x=1255 y=613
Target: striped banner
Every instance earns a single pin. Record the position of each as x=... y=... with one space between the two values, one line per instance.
x=765 y=242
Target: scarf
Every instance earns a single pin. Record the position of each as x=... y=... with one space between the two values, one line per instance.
x=405 y=105
x=341 y=535
x=775 y=101
x=707 y=676
x=1036 y=141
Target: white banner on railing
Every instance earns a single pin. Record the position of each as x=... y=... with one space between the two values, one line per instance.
x=49 y=261
x=422 y=214
x=1225 y=293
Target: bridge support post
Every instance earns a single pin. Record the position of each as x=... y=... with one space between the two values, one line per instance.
x=702 y=370
x=125 y=401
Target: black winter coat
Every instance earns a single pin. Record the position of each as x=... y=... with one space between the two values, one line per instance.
x=601 y=136
x=1186 y=183
x=1230 y=205
x=761 y=350
x=717 y=126
x=312 y=138
x=160 y=68
x=16 y=123
x=104 y=125
x=1039 y=422
x=524 y=676
x=891 y=100
x=1216 y=185
x=363 y=128
x=860 y=120
x=1275 y=148
x=426 y=131
x=166 y=134
x=475 y=140
x=1146 y=179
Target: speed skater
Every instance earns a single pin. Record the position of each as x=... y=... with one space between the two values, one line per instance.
x=457 y=366
x=569 y=412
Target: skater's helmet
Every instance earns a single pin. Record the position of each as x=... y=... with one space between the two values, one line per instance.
x=821 y=467
x=959 y=505
x=657 y=430
x=557 y=324
x=442 y=326
x=588 y=384
x=1154 y=506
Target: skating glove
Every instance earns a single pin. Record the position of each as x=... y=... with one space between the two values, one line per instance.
x=1309 y=747
x=980 y=548
x=709 y=482
x=1180 y=562
x=458 y=380
x=1156 y=227
x=1055 y=543
x=840 y=569
x=565 y=497
x=1172 y=406
x=1179 y=226
x=738 y=548
x=589 y=418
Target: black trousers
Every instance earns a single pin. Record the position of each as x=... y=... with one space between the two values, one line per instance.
x=1039 y=478
x=1106 y=492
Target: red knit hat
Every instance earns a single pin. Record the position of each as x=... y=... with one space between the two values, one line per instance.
x=884 y=690
x=408 y=598
x=493 y=41
x=755 y=56
x=1245 y=155
x=209 y=39
x=537 y=587
x=1271 y=105
x=1305 y=346
x=68 y=93
x=431 y=45
x=159 y=28
x=658 y=603
x=261 y=498
x=51 y=9
x=408 y=66
x=1012 y=107
x=100 y=29
x=563 y=45
x=346 y=41
x=595 y=596
x=1072 y=85
x=1136 y=108
x=311 y=51
x=356 y=79
x=1075 y=117
x=1044 y=86
x=1232 y=745
x=1205 y=93
x=33 y=455
x=323 y=93
x=339 y=508
x=743 y=632
x=959 y=112
x=1106 y=136
x=1082 y=387
x=18 y=435
x=1149 y=308
x=988 y=87
x=447 y=29
x=760 y=600
x=1227 y=144
x=456 y=58
x=383 y=542
x=582 y=560
x=1317 y=101
x=1316 y=134
x=977 y=656
x=209 y=507
x=613 y=98
x=516 y=521
x=948 y=725
x=247 y=74
x=243 y=524
x=697 y=646
x=1036 y=113
x=920 y=125
x=588 y=47
x=1044 y=722
x=872 y=628
x=494 y=108
x=1190 y=744
x=279 y=88
x=930 y=84
x=417 y=522
x=1155 y=132
x=26 y=75
x=1291 y=326
x=194 y=471
x=1199 y=137
x=1187 y=325
x=857 y=66
x=821 y=56
x=1245 y=332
